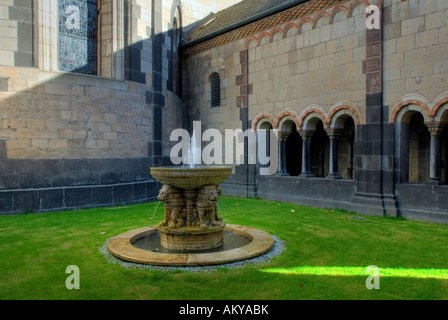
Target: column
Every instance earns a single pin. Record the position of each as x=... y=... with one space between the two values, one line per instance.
x=282 y=169
x=306 y=154
x=435 y=177
x=334 y=135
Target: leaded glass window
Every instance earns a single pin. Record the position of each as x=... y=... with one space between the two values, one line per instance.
x=78 y=36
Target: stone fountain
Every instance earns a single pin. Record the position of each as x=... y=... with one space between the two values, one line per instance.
x=192 y=233
x=190 y=196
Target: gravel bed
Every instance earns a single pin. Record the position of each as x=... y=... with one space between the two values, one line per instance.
x=279 y=247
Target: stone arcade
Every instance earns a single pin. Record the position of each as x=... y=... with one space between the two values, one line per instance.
x=361 y=114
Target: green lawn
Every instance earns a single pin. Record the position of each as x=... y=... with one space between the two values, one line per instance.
x=327 y=252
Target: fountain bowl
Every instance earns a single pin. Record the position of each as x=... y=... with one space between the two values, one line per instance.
x=191 y=178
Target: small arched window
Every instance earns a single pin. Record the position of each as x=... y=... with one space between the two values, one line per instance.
x=215 y=84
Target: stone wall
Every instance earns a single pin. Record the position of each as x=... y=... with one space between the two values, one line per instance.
x=53 y=115
x=16 y=27
x=415 y=42
x=317 y=64
x=323 y=65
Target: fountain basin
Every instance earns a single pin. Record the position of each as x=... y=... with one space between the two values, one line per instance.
x=191 y=178
x=122 y=247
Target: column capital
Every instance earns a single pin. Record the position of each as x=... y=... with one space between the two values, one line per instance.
x=283 y=136
x=435 y=128
x=306 y=134
x=333 y=133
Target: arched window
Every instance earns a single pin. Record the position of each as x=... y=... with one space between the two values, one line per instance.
x=413 y=160
x=320 y=150
x=444 y=155
x=419 y=144
x=215 y=89
x=266 y=127
x=176 y=39
x=78 y=36
x=294 y=152
x=346 y=157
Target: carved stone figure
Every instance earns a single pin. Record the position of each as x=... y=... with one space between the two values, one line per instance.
x=206 y=206
x=174 y=206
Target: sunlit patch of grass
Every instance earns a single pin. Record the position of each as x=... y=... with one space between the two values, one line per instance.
x=363 y=271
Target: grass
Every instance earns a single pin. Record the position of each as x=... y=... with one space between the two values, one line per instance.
x=327 y=252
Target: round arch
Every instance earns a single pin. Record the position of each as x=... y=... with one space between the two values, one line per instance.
x=263 y=119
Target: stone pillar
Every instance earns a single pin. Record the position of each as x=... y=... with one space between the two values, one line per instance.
x=334 y=135
x=435 y=177
x=306 y=154
x=282 y=169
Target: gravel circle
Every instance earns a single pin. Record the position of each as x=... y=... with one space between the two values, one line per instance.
x=279 y=247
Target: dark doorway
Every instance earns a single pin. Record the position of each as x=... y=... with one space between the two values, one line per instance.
x=419 y=149
x=320 y=149
x=294 y=153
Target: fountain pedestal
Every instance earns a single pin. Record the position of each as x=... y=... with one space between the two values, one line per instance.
x=192 y=238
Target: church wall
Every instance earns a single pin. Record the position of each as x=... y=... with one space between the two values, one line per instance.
x=415 y=42
x=416 y=81
x=70 y=140
x=317 y=66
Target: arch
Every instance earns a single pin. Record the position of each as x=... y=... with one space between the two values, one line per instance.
x=339 y=117
x=441 y=105
x=263 y=118
x=310 y=110
x=176 y=38
x=261 y=37
x=250 y=40
x=336 y=10
x=176 y=13
x=311 y=119
x=442 y=113
x=274 y=32
x=283 y=119
x=340 y=110
x=410 y=103
x=319 y=16
x=302 y=22
x=288 y=27
x=355 y=4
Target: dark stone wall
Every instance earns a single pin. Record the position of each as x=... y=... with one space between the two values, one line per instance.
x=423 y=202
x=316 y=192
x=57 y=184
